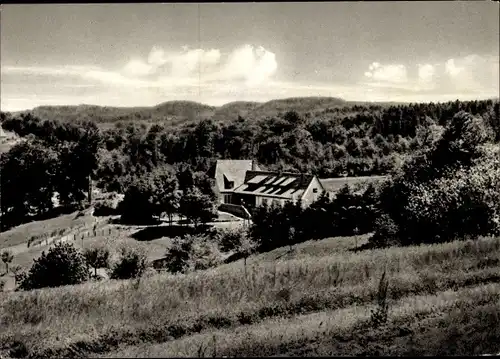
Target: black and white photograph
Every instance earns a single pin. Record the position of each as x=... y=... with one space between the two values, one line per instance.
x=249 y=179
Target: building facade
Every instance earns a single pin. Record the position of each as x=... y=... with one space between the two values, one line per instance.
x=242 y=183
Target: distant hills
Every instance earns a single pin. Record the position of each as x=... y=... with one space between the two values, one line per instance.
x=177 y=112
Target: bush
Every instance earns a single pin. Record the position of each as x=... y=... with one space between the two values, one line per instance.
x=131 y=264
x=379 y=315
x=177 y=255
x=97 y=257
x=19 y=277
x=18 y=271
x=61 y=265
x=7 y=258
x=204 y=254
x=386 y=231
x=350 y=212
x=230 y=239
x=192 y=253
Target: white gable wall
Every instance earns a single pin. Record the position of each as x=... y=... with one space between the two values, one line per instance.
x=309 y=196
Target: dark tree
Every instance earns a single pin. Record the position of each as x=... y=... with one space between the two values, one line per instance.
x=61 y=265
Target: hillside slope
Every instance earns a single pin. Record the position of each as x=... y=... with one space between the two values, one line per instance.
x=316 y=300
x=176 y=112
x=8 y=140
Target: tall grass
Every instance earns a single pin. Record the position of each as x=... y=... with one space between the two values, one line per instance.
x=224 y=296
x=323 y=330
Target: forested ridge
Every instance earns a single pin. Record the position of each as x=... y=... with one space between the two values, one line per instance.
x=344 y=139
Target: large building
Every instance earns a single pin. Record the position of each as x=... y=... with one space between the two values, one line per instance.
x=241 y=182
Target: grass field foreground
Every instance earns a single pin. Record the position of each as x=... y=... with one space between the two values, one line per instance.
x=102 y=316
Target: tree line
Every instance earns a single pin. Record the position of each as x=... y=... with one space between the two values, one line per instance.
x=449 y=190
x=349 y=140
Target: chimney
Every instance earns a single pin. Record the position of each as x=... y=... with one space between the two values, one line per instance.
x=253 y=165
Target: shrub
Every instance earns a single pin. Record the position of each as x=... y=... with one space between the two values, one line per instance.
x=192 y=253
x=132 y=264
x=97 y=257
x=386 y=231
x=7 y=258
x=204 y=254
x=350 y=212
x=61 y=265
x=177 y=255
x=230 y=239
x=379 y=315
x=19 y=277
x=16 y=270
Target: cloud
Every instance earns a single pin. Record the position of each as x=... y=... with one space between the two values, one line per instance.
x=156 y=56
x=473 y=73
x=246 y=65
x=392 y=73
x=246 y=73
x=472 y=76
x=161 y=74
x=426 y=73
x=64 y=70
x=138 y=67
x=451 y=69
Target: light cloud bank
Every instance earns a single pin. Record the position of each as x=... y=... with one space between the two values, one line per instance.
x=247 y=73
x=468 y=77
x=392 y=73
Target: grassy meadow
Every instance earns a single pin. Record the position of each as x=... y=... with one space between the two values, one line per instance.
x=35 y=231
x=315 y=300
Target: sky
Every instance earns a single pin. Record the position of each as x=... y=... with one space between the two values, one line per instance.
x=216 y=53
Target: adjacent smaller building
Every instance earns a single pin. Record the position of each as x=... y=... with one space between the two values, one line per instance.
x=333 y=185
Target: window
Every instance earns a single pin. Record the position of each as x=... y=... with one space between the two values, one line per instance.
x=227 y=198
x=227 y=183
x=315 y=190
x=264 y=201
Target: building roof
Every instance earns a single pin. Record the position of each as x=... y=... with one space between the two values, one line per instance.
x=233 y=170
x=335 y=184
x=273 y=184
